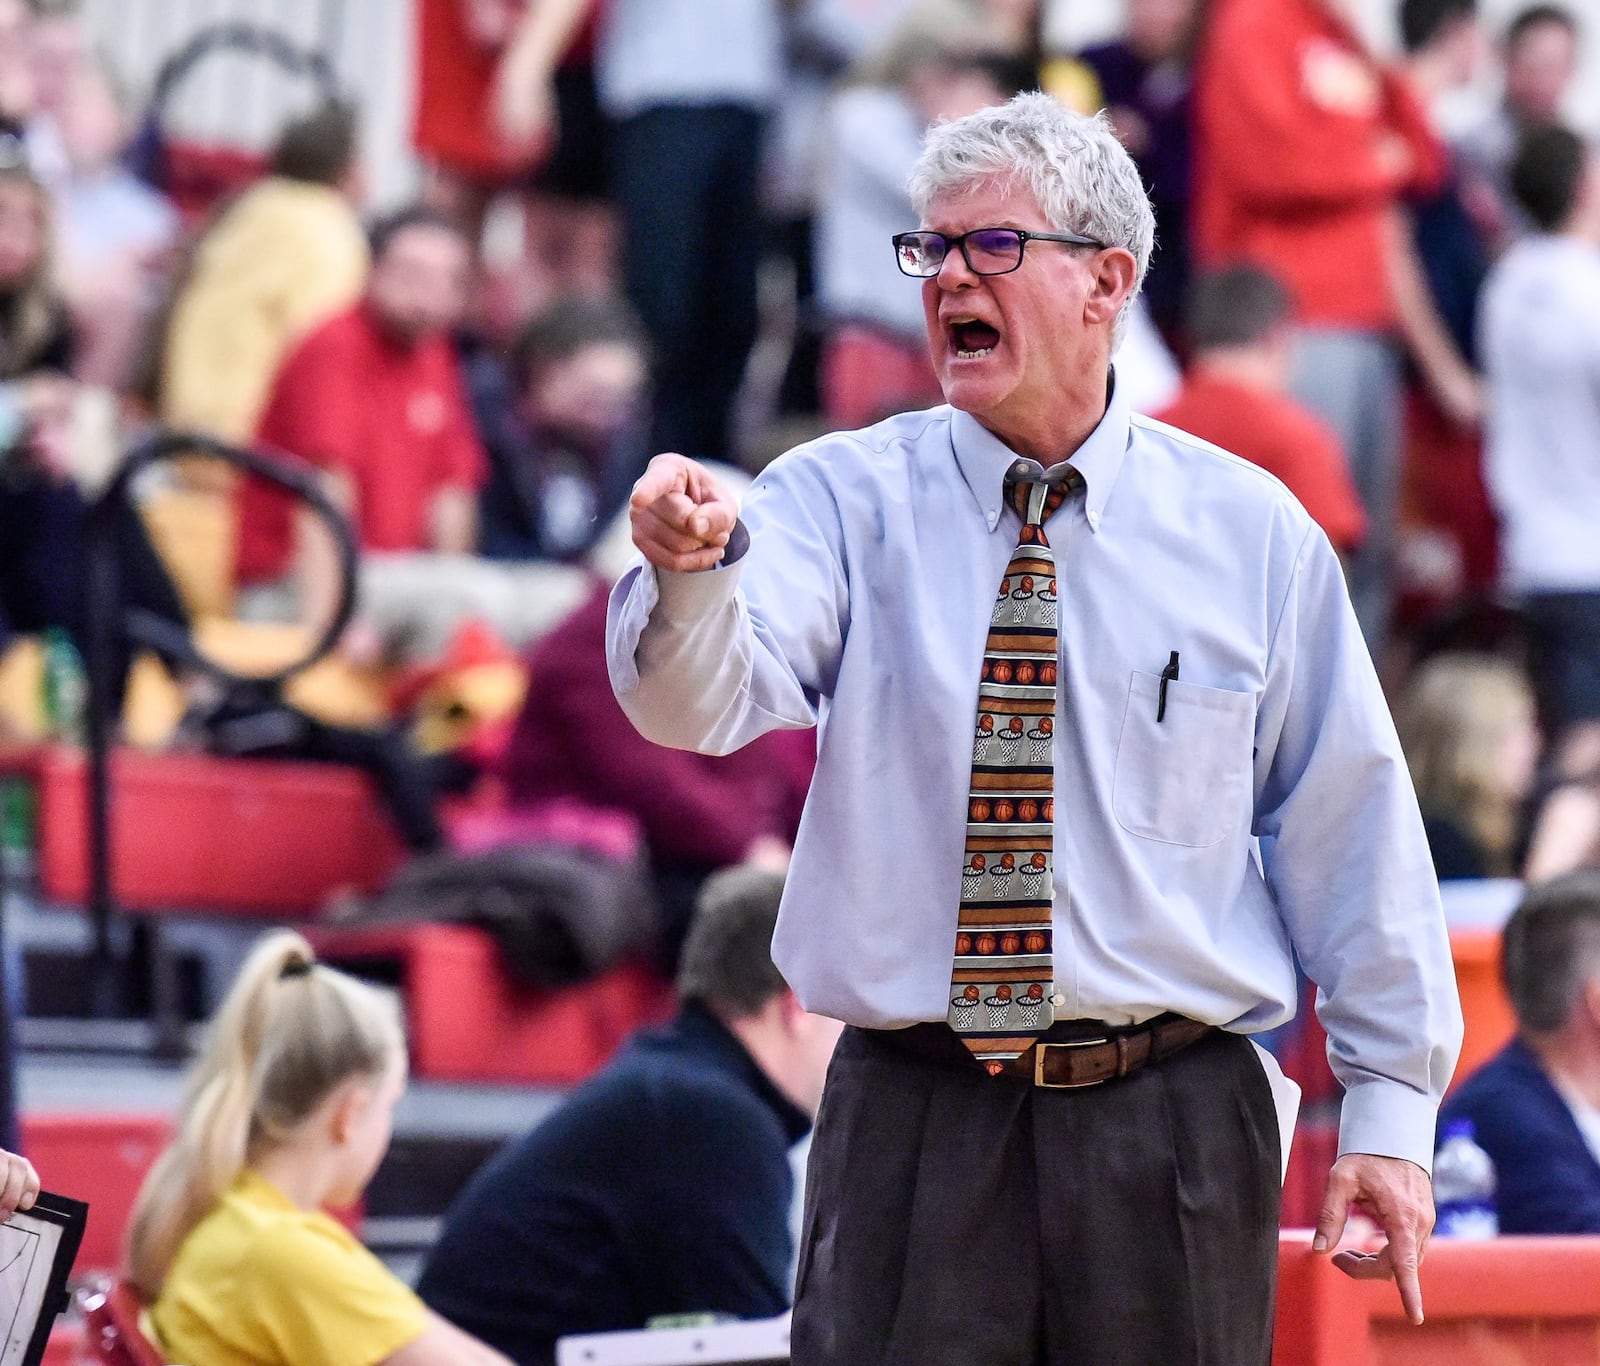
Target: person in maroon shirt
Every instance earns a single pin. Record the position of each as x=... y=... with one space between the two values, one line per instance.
x=374 y=399
x=698 y=812
x=1235 y=396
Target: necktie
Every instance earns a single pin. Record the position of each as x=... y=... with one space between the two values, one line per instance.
x=1003 y=978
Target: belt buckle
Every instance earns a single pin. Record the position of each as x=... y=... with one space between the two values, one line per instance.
x=1038 y=1064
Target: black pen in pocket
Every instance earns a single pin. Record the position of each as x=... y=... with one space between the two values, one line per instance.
x=1167 y=675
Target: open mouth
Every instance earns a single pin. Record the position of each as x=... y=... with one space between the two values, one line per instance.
x=972 y=339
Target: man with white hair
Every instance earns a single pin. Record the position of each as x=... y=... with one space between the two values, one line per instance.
x=1046 y=1136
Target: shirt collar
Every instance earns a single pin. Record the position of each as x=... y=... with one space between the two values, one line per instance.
x=985 y=459
x=710 y=1036
x=252 y=1186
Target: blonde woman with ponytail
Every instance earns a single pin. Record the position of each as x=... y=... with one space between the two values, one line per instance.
x=288 y=1111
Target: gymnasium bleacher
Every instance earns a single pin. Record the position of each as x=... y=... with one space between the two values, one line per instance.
x=113 y=954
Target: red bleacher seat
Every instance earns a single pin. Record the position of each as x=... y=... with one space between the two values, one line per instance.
x=193 y=832
x=67 y=1345
x=1311 y=1158
x=112 y=1335
x=1304 y=1056
x=1485 y=1007
x=101 y=1158
x=1499 y=1300
x=868 y=374
x=469 y=1022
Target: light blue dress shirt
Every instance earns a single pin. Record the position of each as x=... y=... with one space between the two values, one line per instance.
x=1270 y=813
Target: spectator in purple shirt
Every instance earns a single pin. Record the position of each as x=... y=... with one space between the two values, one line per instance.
x=698 y=812
x=1143 y=81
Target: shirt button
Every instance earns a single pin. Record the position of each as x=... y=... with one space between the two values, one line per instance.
x=994 y=518
x=1058 y=999
x=1094 y=519
x=1020 y=468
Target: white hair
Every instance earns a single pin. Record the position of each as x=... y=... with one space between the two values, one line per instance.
x=1082 y=177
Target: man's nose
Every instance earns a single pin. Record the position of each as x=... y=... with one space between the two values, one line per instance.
x=954 y=272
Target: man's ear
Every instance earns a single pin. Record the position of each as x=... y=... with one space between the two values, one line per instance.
x=1591 y=1000
x=1115 y=273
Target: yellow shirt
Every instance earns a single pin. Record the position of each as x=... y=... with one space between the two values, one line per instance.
x=285 y=256
x=260 y=1282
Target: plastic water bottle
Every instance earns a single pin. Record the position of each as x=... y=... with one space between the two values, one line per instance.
x=1463 y=1185
x=66 y=687
x=18 y=820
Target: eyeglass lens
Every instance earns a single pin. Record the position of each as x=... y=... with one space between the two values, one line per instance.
x=988 y=251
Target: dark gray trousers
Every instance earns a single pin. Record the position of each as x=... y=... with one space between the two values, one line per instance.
x=954 y=1219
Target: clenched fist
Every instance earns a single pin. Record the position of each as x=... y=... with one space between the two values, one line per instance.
x=681 y=516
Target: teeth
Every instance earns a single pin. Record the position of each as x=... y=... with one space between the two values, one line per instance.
x=974 y=355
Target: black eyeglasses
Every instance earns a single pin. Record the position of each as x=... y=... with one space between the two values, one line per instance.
x=987 y=251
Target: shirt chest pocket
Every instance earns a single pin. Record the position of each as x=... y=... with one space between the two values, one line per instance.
x=1185 y=778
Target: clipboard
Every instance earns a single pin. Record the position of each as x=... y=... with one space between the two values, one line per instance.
x=37 y=1249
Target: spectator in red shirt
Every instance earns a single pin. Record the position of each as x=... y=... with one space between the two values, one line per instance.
x=1235 y=396
x=1305 y=145
x=374 y=398
x=471 y=57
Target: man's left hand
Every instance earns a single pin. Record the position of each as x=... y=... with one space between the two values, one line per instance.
x=1399 y=1198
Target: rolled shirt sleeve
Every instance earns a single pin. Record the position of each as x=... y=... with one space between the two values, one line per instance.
x=695 y=668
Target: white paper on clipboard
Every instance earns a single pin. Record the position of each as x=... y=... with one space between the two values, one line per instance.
x=27 y=1257
x=1285 y=1100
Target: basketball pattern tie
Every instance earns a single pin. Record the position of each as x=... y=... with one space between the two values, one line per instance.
x=1003 y=978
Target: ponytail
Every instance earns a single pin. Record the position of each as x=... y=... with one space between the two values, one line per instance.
x=289 y=1032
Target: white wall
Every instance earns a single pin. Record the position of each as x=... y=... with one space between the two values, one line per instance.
x=368 y=41
x=1075 y=23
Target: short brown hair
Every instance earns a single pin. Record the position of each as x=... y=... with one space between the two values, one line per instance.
x=383 y=232
x=1551 y=948
x=565 y=327
x=726 y=963
x=1236 y=305
x=319 y=146
x=1536 y=16
x=1546 y=174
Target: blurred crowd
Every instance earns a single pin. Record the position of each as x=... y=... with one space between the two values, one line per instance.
x=1394 y=312
x=1388 y=311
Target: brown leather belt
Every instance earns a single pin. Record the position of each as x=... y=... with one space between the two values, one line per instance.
x=1071 y=1055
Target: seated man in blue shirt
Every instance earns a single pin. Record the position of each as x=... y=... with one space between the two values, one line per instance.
x=563 y=421
x=1535 y=1107
x=663 y=1185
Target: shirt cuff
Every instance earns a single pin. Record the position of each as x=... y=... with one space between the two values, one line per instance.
x=1388 y=1119
x=684 y=598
